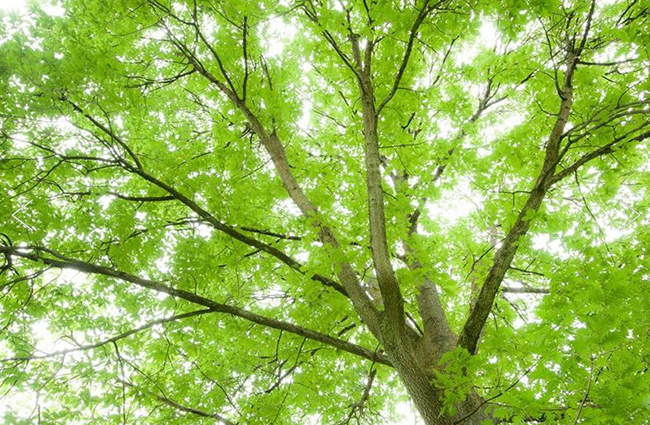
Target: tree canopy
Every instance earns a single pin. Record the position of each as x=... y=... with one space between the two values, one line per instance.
x=307 y=211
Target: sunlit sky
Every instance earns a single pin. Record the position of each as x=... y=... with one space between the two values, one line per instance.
x=21 y=6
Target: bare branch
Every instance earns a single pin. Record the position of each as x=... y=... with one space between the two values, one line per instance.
x=525 y=290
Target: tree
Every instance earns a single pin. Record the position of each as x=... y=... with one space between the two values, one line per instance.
x=227 y=211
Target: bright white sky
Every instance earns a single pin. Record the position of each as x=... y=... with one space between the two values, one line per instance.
x=18 y=5
x=51 y=7
x=12 y=4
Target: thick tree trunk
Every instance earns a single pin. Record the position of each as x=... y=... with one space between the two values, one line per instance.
x=428 y=400
x=402 y=351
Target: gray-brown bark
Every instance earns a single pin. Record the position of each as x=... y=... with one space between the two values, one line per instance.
x=413 y=357
x=469 y=337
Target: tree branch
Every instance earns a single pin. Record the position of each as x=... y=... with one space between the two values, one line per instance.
x=106 y=130
x=110 y=340
x=438 y=336
x=183 y=408
x=390 y=292
x=312 y=16
x=503 y=257
x=228 y=230
x=525 y=290
x=276 y=151
x=586 y=396
x=603 y=150
x=358 y=406
x=33 y=253
x=143 y=198
x=194 y=411
x=423 y=13
x=483 y=104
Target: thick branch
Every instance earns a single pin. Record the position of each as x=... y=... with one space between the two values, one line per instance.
x=230 y=231
x=390 y=292
x=438 y=337
x=503 y=257
x=276 y=151
x=34 y=253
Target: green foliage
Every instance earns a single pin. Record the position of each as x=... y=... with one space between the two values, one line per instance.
x=475 y=107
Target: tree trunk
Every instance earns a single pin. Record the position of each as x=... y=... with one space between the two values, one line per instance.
x=401 y=350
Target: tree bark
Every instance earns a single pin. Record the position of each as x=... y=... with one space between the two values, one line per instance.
x=420 y=385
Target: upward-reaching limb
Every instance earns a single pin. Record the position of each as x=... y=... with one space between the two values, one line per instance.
x=274 y=147
x=473 y=326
